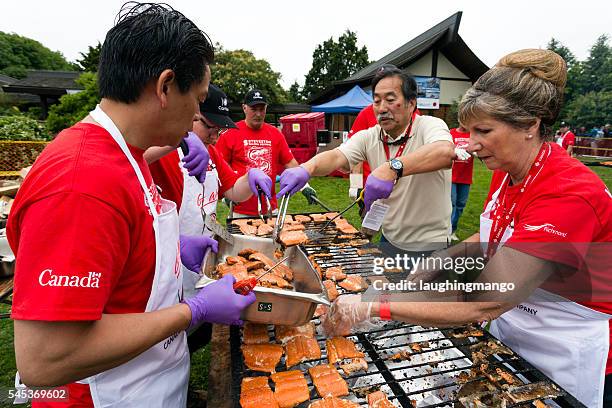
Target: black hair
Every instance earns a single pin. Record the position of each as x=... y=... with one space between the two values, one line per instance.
x=147 y=39
x=409 y=85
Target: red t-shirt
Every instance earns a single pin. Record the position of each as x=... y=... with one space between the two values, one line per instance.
x=265 y=149
x=566 y=206
x=364 y=120
x=168 y=175
x=81 y=232
x=568 y=139
x=462 y=169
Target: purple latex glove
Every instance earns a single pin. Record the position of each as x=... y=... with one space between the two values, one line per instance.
x=218 y=303
x=258 y=178
x=292 y=180
x=196 y=161
x=376 y=188
x=193 y=249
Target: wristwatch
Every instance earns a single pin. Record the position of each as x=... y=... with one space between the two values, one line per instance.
x=397 y=166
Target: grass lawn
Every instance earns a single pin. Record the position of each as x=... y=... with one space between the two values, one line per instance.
x=334 y=193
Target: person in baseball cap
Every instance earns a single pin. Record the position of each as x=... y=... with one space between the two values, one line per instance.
x=215 y=108
x=255 y=97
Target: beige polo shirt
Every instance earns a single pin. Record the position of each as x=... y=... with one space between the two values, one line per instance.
x=420 y=204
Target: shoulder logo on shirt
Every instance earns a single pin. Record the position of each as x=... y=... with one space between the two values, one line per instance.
x=549 y=228
x=48 y=278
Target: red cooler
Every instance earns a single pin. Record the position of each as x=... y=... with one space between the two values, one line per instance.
x=300 y=129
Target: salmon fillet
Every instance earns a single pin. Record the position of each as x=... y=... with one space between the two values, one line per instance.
x=281 y=270
x=320 y=310
x=327 y=381
x=238 y=270
x=339 y=348
x=262 y=357
x=400 y=356
x=264 y=229
x=270 y=280
x=346 y=228
x=232 y=260
x=332 y=292
x=293 y=227
x=255 y=333
x=240 y=221
x=354 y=283
x=285 y=333
x=331 y=215
x=335 y=273
x=256 y=393
x=256 y=222
x=333 y=402
x=246 y=252
x=252 y=265
x=300 y=349
x=247 y=229
x=366 y=251
x=290 y=388
x=290 y=238
x=318 y=217
x=355 y=365
x=379 y=399
x=302 y=218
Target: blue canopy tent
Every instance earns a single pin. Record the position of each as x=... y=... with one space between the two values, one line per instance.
x=351 y=102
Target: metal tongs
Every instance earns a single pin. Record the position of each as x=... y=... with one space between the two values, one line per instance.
x=280 y=218
x=262 y=199
x=245 y=286
x=316 y=234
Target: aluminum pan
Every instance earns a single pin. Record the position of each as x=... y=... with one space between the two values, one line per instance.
x=273 y=306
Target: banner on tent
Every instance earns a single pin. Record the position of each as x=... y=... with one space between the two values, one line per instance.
x=428 y=93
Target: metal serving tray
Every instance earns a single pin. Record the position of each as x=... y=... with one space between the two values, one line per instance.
x=273 y=306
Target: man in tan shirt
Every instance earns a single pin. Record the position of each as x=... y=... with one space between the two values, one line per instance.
x=412 y=156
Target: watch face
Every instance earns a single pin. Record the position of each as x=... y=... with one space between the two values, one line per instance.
x=396 y=164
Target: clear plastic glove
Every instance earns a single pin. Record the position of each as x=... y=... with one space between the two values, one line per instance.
x=461 y=154
x=258 y=178
x=309 y=193
x=345 y=313
x=292 y=180
x=193 y=249
x=375 y=189
x=196 y=161
x=218 y=303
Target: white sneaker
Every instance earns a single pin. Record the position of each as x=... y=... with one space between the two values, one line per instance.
x=454 y=237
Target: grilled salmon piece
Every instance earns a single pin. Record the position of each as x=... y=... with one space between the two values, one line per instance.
x=255 y=333
x=264 y=229
x=355 y=365
x=246 y=252
x=290 y=388
x=339 y=348
x=232 y=260
x=327 y=381
x=238 y=270
x=366 y=251
x=256 y=393
x=252 y=265
x=335 y=273
x=291 y=238
x=318 y=217
x=346 y=228
x=300 y=349
x=270 y=280
x=294 y=227
x=378 y=399
x=281 y=270
x=320 y=310
x=331 y=215
x=333 y=402
x=256 y=222
x=332 y=292
x=302 y=218
x=248 y=229
x=285 y=333
x=262 y=357
x=354 y=283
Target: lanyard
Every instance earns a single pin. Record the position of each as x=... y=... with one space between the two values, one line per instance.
x=499 y=215
x=403 y=145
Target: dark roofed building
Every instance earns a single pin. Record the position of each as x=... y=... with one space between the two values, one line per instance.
x=49 y=86
x=439 y=52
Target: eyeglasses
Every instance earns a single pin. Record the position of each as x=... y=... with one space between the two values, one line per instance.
x=214 y=129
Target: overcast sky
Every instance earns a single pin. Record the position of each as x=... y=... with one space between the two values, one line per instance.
x=285 y=33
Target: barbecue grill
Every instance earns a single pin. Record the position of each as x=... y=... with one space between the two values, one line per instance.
x=444 y=368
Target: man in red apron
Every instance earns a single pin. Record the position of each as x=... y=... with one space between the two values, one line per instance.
x=98 y=300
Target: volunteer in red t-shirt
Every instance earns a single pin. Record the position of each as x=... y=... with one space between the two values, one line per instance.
x=546 y=229
x=256 y=144
x=212 y=178
x=462 y=177
x=566 y=139
x=98 y=301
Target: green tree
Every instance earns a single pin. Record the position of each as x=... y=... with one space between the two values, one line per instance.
x=333 y=61
x=238 y=71
x=592 y=109
x=562 y=50
x=295 y=94
x=89 y=61
x=17 y=54
x=597 y=69
x=72 y=108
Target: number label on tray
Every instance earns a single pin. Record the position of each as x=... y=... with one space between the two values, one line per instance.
x=264 y=307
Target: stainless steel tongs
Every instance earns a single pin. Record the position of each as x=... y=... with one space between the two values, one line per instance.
x=262 y=199
x=280 y=217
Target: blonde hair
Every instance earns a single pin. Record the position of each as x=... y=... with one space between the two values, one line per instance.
x=522 y=87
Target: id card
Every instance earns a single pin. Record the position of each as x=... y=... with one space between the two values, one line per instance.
x=374 y=218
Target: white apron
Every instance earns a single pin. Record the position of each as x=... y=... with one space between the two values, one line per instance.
x=197 y=198
x=159 y=376
x=565 y=340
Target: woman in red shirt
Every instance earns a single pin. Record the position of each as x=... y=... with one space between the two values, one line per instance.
x=462 y=177
x=546 y=229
